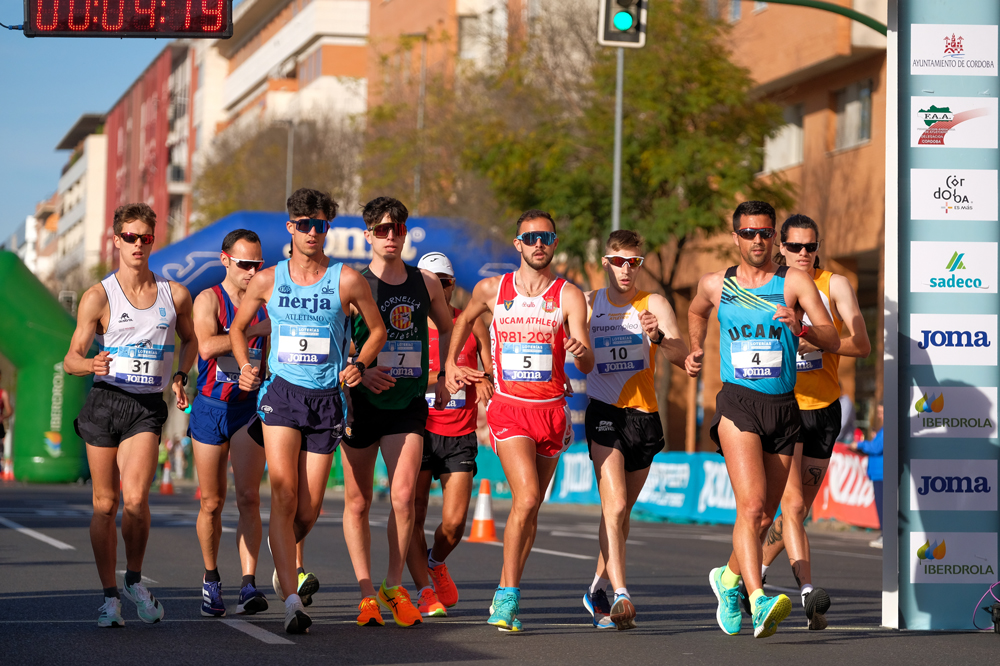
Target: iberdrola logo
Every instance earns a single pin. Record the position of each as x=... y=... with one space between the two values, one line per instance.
x=928 y=405
x=932 y=552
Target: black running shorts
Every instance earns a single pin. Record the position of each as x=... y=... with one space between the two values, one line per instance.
x=110 y=415
x=773 y=418
x=316 y=413
x=446 y=455
x=637 y=434
x=368 y=424
x=820 y=428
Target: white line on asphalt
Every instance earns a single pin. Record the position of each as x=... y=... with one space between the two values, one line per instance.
x=846 y=554
x=259 y=633
x=145 y=579
x=562 y=554
x=228 y=529
x=593 y=537
x=35 y=535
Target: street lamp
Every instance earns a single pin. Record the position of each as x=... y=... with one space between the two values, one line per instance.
x=421 y=96
x=289 y=154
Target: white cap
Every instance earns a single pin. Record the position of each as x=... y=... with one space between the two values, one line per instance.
x=436 y=262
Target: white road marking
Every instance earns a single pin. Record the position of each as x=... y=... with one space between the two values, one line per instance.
x=846 y=554
x=263 y=635
x=562 y=554
x=228 y=529
x=592 y=537
x=145 y=579
x=61 y=545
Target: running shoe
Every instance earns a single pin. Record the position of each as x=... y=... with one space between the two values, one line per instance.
x=817 y=603
x=308 y=586
x=369 y=614
x=397 y=600
x=429 y=605
x=876 y=543
x=211 y=599
x=252 y=601
x=505 y=611
x=444 y=586
x=599 y=607
x=493 y=603
x=149 y=609
x=745 y=596
x=111 y=613
x=623 y=613
x=768 y=613
x=276 y=584
x=728 y=614
x=296 y=620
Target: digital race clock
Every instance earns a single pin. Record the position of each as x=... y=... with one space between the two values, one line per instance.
x=128 y=18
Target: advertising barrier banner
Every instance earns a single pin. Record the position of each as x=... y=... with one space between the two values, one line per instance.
x=846 y=493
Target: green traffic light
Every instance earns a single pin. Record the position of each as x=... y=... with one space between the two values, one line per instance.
x=623 y=21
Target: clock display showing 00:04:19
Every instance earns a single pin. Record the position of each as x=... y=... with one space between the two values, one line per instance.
x=128 y=18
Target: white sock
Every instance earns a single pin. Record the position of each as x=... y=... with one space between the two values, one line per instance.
x=763 y=569
x=806 y=589
x=421 y=590
x=599 y=584
x=431 y=562
x=291 y=599
x=622 y=592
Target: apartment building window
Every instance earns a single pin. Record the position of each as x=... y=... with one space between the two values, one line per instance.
x=759 y=6
x=735 y=10
x=854 y=114
x=784 y=149
x=712 y=6
x=468 y=33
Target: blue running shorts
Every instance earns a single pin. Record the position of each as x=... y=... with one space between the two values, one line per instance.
x=215 y=421
x=317 y=413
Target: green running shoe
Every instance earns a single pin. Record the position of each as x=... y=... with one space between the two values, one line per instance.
x=768 y=612
x=728 y=614
x=505 y=610
x=149 y=609
x=111 y=613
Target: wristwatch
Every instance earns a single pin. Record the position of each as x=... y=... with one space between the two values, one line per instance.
x=183 y=376
x=659 y=339
x=360 y=366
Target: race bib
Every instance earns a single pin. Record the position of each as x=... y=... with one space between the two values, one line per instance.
x=756 y=359
x=457 y=399
x=139 y=366
x=809 y=361
x=403 y=357
x=303 y=345
x=228 y=372
x=619 y=353
x=526 y=361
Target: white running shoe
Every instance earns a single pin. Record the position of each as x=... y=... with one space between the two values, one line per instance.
x=149 y=609
x=111 y=613
x=296 y=619
x=876 y=543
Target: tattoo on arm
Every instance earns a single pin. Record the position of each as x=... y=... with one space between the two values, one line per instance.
x=774 y=535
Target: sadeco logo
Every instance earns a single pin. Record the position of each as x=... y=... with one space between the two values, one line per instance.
x=937 y=267
x=953 y=339
x=956 y=264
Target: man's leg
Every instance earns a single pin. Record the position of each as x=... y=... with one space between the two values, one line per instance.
x=314 y=473
x=528 y=475
x=359 y=475
x=402 y=454
x=416 y=556
x=105 y=480
x=211 y=461
x=609 y=466
x=281 y=446
x=248 y=471
x=457 y=490
x=137 y=462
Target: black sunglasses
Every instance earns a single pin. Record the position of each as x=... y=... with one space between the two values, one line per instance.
x=447 y=282
x=795 y=248
x=303 y=226
x=381 y=231
x=147 y=239
x=751 y=233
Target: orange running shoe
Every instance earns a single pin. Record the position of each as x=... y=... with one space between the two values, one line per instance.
x=397 y=599
x=370 y=615
x=444 y=586
x=428 y=604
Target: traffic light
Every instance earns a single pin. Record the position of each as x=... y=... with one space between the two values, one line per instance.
x=622 y=23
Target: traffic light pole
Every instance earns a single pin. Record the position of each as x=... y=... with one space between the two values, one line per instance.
x=616 y=187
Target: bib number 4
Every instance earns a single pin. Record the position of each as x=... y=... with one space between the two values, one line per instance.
x=756 y=359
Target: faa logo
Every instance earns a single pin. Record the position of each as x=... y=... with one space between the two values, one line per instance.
x=928 y=405
x=401 y=317
x=53 y=444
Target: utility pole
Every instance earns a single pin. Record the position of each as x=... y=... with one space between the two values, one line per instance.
x=421 y=101
x=616 y=188
x=289 y=156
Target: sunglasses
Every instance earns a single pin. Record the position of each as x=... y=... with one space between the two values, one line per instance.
x=303 y=226
x=382 y=230
x=447 y=282
x=751 y=233
x=147 y=239
x=795 y=248
x=531 y=237
x=618 y=261
x=246 y=264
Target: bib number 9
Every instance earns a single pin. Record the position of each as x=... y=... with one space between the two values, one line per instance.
x=303 y=345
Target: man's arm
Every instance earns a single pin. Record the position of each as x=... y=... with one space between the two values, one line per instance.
x=698 y=313
x=211 y=343
x=578 y=344
x=664 y=323
x=482 y=295
x=440 y=315
x=484 y=390
x=822 y=333
x=258 y=291
x=88 y=316
x=856 y=342
x=189 y=342
x=360 y=299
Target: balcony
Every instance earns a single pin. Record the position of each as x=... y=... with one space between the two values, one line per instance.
x=176 y=182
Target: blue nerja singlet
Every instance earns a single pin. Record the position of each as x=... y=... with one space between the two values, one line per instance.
x=310 y=334
x=219 y=377
x=756 y=351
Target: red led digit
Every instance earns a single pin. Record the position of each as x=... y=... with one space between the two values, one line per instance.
x=86 y=15
x=217 y=13
x=55 y=16
x=187 y=16
x=121 y=16
x=151 y=11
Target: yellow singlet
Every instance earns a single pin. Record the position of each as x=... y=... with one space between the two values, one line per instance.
x=817 y=384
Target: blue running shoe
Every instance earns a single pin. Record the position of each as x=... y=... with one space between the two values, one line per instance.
x=728 y=614
x=252 y=601
x=505 y=610
x=598 y=606
x=768 y=612
x=211 y=600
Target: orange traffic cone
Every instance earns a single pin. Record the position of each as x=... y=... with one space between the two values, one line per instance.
x=197 y=493
x=7 y=473
x=166 y=485
x=484 y=530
